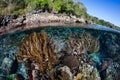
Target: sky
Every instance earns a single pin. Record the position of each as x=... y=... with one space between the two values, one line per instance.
x=108 y=10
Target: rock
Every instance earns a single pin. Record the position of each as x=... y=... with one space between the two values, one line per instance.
x=14 y=67
x=35 y=11
x=6 y=19
x=6 y=64
x=32 y=12
x=1 y=18
x=88 y=22
x=77 y=21
x=17 y=22
x=39 y=11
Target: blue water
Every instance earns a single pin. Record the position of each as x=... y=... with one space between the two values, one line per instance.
x=99 y=27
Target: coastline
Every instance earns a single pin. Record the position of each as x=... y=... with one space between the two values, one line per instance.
x=36 y=20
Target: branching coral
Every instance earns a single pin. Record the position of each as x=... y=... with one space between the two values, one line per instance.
x=38 y=49
x=90 y=42
x=62 y=76
x=80 y=43
x=61 y=73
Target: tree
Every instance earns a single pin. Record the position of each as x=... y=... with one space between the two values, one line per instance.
x=57 y=5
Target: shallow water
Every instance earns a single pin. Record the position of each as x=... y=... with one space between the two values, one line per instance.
x=109 y=40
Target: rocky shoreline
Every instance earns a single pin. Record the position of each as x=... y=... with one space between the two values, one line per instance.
x=10 y=24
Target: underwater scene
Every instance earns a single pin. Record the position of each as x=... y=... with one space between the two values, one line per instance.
x=60 y=53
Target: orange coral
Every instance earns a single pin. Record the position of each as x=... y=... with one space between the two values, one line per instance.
x=38 y=49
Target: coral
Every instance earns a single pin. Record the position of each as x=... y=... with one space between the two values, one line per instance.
x=78 y=77
x=91 y=43
x=95 y=75
x=61 y=73
x=38 y=49
x=81 y=43
x=111 y=72
x=71 y=61
x=74 y=46
x=88 y=72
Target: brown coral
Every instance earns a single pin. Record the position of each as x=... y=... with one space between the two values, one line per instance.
x=71 y=61
x=61 y=73
x=81 y=43
x=38 y=49
x=62 y=76
x=90 y=42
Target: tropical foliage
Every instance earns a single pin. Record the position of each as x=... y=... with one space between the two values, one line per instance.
x=23 y=6
x=99 y=21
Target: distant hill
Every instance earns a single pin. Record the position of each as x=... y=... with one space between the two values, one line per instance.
x=70 y=7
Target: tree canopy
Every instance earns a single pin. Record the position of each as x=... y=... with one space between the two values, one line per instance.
x=23 y=6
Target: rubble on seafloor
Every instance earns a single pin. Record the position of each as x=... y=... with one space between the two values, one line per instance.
x=38 y=59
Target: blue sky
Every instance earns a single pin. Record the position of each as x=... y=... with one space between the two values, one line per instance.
x=108 y=10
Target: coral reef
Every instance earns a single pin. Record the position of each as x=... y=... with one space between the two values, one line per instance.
x=73 y=54
x=60 y=73
x=77 y=58
x=38 y=53
x=39 y=50
x=90 y=42
x=81 y=43
x=89 y=72
x=109 y=69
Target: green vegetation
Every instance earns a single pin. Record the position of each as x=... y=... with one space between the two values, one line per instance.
x=17 y=7
x=99 y=21
x=70 y=7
